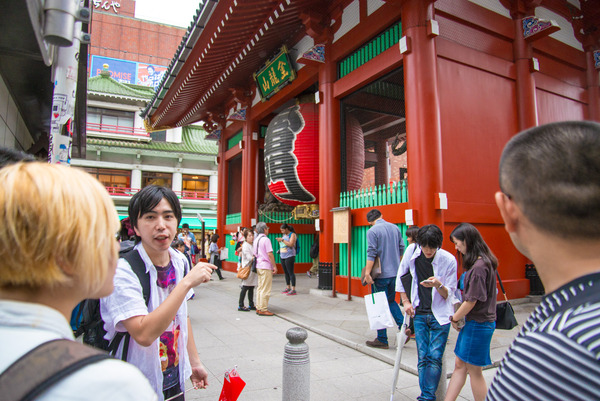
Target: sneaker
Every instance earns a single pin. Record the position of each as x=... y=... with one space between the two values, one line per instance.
x=309 y=274
x=293 y=292
x=252 y=308
x=377 y=344
x=286 y=291
x=243 y=309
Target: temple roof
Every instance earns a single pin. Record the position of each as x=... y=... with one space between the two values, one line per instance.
x=226 y=43
x=192 y=142
x=103 y=84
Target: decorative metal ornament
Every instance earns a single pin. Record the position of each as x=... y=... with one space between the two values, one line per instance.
x=239 y=115
x=534 y=27
x=316 y=53
x=213 y=136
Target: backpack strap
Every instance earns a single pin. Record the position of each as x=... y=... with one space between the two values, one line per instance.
x=138 y=266
x=44 y=366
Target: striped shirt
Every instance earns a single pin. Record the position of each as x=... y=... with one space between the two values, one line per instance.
x=556 y=356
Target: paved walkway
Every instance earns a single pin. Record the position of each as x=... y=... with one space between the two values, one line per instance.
x=342 y=367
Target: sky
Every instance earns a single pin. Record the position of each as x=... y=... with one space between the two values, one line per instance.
x=172 y=12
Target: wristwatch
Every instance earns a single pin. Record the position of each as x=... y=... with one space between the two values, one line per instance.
x=440 y=287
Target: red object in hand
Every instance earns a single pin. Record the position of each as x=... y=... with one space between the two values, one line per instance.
x=232 y=386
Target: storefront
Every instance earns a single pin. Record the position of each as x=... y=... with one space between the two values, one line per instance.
x=413 y=102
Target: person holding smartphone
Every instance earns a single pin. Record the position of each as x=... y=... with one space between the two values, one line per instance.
x=433 y=272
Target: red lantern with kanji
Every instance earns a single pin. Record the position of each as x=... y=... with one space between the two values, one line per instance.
x=292 y=155
x=355 y=149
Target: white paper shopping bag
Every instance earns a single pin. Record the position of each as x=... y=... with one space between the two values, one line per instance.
x=378 y=311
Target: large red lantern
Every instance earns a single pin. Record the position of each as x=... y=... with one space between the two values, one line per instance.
x=292 y=155
x=355 y=151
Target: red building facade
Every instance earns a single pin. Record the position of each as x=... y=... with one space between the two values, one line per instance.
x=455 y=79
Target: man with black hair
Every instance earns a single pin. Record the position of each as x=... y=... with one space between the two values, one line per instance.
x=189 y=239
x=433 y=272
x=384 y=241
x=162 y=345
x=10 y=156
x=550 y=203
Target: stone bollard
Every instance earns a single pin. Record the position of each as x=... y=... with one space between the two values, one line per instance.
x=296 y=366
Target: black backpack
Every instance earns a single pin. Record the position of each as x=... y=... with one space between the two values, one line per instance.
x=92 y=325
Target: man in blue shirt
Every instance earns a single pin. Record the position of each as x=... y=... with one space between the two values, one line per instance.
x=189 y=239
x=384 y=241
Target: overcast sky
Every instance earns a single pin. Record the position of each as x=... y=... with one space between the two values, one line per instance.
x=173 y=12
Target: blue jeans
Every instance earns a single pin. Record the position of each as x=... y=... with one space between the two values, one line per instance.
x=431 y=340
x=388 y=285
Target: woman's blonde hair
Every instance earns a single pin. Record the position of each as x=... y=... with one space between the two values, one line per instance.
x=58 y=225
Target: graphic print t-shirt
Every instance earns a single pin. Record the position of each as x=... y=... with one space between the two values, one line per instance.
x=168 y=351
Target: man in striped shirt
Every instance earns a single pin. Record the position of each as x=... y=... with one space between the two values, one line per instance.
x=550 y=203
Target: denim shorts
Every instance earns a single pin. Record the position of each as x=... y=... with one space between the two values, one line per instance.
x=473 y=344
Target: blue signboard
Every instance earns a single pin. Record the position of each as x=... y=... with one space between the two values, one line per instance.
x=120 y=70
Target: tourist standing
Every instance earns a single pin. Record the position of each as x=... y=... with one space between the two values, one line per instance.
x=252 y=280
x=287 y=253
x=479 y=308
x=265 y=268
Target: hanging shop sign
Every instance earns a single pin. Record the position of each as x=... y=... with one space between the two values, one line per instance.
x=275 y=74
x=292 y=155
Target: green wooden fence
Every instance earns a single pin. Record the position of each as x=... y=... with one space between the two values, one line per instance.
x=390 y=194
x=388 y=38
x=235 y=218
x=359 y=250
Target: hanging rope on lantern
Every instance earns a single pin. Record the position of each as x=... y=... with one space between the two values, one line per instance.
x=275 y=220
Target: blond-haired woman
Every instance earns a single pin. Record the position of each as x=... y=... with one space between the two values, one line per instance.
x=58 y=247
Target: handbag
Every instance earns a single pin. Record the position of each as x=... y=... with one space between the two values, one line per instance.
x=505 y=315
x=244 y=272
x=375 y=271
x=378 y=311
x=255 y=258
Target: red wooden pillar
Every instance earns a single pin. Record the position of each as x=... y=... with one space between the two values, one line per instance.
x=593 y=86
x=222 y=191
x=525 y=84
x=329 y=156
x=423 y=129
x=249 y=164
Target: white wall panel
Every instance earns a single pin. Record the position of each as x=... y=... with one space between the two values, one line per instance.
x=350 y=18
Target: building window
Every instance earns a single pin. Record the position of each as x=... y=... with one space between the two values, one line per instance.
x=160 y=179
x=194 y=183
x=110 y=121
x=111 y=178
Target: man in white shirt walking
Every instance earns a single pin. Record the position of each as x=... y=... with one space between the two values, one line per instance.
x=433 y=272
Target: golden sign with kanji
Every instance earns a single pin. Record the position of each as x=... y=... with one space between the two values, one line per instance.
x=275 y=74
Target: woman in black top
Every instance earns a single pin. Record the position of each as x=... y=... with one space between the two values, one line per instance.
x=478 y=307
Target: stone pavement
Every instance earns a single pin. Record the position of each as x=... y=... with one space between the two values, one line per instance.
x=342 y=367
